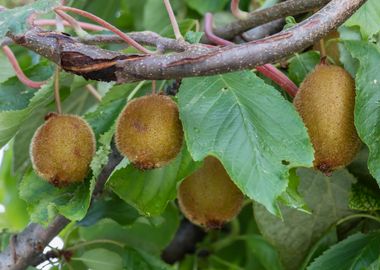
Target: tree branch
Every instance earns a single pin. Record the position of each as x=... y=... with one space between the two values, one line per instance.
x=146 y=38
x=256 y=18
x=31 y=242
x=92 y=62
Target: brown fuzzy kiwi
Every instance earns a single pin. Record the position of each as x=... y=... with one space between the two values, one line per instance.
x=149 y=132
x=326 y=101
x=62 y=149
x=208 y=197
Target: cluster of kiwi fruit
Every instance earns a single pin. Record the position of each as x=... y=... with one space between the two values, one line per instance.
x=149 y=133
x=325 y=101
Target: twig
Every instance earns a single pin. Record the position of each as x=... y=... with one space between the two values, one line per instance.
x=145 y=38
x=237 y=12
x=107 y=25
x=56 y=91
x=91 y=89
x=87 y=26
x=256 y=18
x=264 y=30
x=173 y=20
x=74 y=23
x=19 y=73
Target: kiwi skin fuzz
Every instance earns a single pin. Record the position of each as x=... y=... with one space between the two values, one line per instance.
x=208 y=197
x=62 y=149
x=326 y=101
x=149 y=132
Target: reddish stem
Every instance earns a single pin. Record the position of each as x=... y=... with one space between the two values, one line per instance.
x=19 y=73
x=210 y=34
x=236 y=11
x=173 y=20
x=86 y=26
x=279 y=78
x=74 y=23
x=267 y=70
x=107 y=25
x=92 y=90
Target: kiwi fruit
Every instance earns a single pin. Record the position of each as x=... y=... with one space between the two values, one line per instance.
x=62 y=149
x=208 y=197
x=325 y=101
x=149 y=132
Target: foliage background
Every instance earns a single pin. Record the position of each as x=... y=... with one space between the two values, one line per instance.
x=317 y=220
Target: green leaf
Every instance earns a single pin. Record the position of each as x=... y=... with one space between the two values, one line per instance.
x=263 y=251
x=45 y=201
x=138 y=259
x=374 y=266
x=291 y=196
x=150 y=191
x=151 y=234
x=11 y=121
x=354 y=253
x=156 y=17
x=6 y=68
x=185 y=26
x=15 y=216
x=14 y=95
x=100 y=259
x=363 y=198
x=367 y=111
x=112 y=208
x=193 y=37
x=302 y=64
x=367 y=18
x=15 y=20
x=348 y=33
x=257 y=135
x=327 y=198
x=290 y=21
x=206 y=6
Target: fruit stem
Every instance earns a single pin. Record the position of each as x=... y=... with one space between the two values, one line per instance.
x=357 y=216
x=210 y=33
x=59 y=23
x=19 y=73
x=323 y=48
x=267 y=70
x=134 y=91
x=87 y=26
x=279 y=78
x=237 y=12
x=74 y=23
x=92 y=90
x=107 y=25
x=153 y=87
x=56 y=92
x=173 y=20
